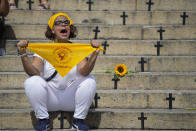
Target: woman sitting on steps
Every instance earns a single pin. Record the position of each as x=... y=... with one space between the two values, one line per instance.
x=74 y=92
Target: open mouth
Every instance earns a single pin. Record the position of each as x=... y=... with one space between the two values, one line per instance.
x=64 y=31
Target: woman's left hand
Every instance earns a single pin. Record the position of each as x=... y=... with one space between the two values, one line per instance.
x=95 y=44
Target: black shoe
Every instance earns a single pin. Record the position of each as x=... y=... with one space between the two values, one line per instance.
x=79 y=125
x=43 y=125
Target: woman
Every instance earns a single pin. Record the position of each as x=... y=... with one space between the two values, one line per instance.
x=4 y=8
x=74 y=92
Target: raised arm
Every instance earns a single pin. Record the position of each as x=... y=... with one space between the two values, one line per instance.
x=31 y=68
x=4 y=7
x=86 y=66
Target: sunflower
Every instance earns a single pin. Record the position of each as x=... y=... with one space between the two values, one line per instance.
x=120 y=69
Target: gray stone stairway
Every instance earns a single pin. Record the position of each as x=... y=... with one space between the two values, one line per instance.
x=166 y=80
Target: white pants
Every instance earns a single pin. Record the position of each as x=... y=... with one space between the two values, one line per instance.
x=77 y=97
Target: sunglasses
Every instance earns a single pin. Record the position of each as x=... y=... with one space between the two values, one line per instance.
x=59 y=22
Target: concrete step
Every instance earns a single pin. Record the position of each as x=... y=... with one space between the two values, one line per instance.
x=131 y=47
x=137 y=99
x=82 y=5
x=104 y=17
x=84 y=32
x=107 y=32
x=154 y=63
x=138 y=81
x=170 y=32
x=114 y=5
x=107 y=118
x=161 y=5
x=105 y=62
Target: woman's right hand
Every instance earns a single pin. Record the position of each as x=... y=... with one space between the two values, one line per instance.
x=22 y=45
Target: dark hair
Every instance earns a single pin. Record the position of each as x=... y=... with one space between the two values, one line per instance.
x=51 y=36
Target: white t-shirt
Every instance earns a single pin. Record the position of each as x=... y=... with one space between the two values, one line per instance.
x=58 y=81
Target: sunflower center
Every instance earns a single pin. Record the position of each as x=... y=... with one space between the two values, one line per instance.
x=120 y=69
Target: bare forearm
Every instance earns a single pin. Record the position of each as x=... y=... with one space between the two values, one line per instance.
x=31 y=68
x=88 y=67
x=4 y=7
x=28 y=67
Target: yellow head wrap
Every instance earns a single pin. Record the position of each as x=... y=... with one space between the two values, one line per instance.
x=52 y=19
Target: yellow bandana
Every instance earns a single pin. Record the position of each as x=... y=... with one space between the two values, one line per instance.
x=63 y=56
x=52 y=19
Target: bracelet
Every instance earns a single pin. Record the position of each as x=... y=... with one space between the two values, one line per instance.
x=25 y=54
